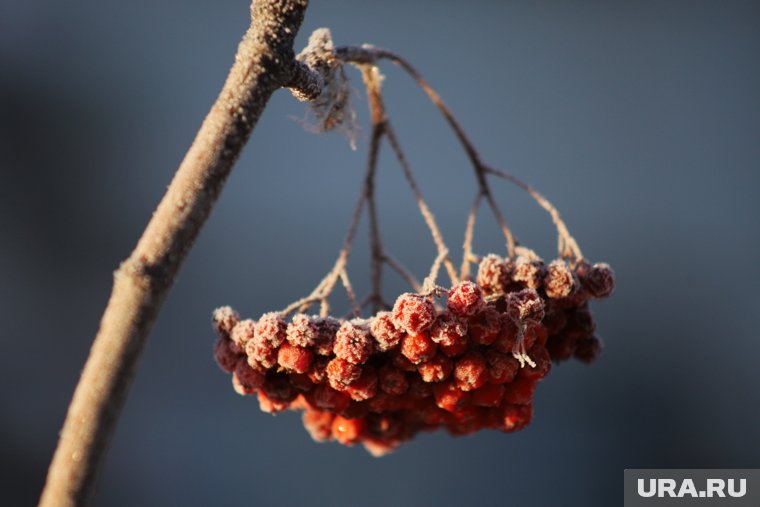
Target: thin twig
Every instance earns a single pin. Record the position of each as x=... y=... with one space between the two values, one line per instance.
x=369 y=75
x=355 y=307
x=369 y=54
x=263 y=63
x=469 y=232
x=567 y=245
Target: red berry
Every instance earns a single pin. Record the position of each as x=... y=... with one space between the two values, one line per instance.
x=246 y=380
x=465 y=299
x=341 y=373
x=347 y=431
x=261 y=356
x=525 y=306
x=449 y=397
x=242 y=333
x=448 y=329
x=353 y=342
x=494 y=274
x=271 y=329
x=507 y=337
x=540 y=356
x=560 y=281
x=520 y=392
x=302 y=331
x=225 y=356
x=293 y=358
x=392 y=380
x=385 y=333
x=490 y=395
x=318 y=424
x=318 y=371
x=600 y=281
x=484 y=327
x=436 y=369
x=502 y=367
x=365 y=387
x=529 y=269
x=327 y=327
x=515 y=417
x=224 y=320
x=471 y=371
x=413 y=313
x=269 y=405
x=327 y=398
x=418 y=347
x=277 y=388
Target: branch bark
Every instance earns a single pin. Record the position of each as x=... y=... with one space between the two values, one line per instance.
x=264 y=62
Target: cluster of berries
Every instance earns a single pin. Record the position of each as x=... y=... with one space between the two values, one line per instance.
x=379 y=381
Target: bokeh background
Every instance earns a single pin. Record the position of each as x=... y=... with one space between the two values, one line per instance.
x=640 y=120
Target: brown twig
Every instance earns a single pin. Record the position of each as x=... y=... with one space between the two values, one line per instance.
x=567 y=246
x=264 y=62
x=469 y=232
x=369 y=54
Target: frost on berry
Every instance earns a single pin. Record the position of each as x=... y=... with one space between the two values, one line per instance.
x=302 y=331
x=294 y=358
x=465 y=299
x=413 y=313
x=471 y=371
x=225 y=356
x=436 y=369
x=246 y=380
x=353 y=342
x=384 y=331
x=242 y=333
x=529 y=268
x=600 y=280
x=328 y=328
x=494 y=274
x=418 y=347
x=448 y=329
x=525 y=306
x=271 y=329
x=224 y=320
x=341 y=373
x=560 y=281
x=485 y=326
x=318 y=424
x=261 y=355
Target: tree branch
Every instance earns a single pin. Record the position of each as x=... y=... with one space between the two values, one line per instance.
x=264 y=62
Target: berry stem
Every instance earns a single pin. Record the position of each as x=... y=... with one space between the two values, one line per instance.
x=567 y=246
x=469 y=232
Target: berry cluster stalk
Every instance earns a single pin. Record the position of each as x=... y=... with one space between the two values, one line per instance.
x=264 y=62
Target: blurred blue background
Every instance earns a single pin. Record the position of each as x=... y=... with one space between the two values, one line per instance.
x=640 y=120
